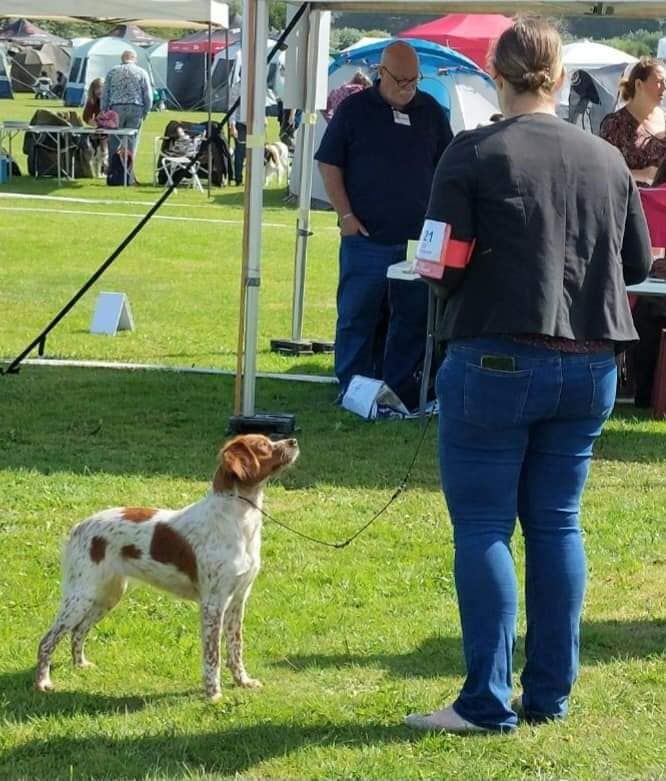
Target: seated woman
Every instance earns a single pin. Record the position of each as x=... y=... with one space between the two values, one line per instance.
x=638 y=129
x=91 y=111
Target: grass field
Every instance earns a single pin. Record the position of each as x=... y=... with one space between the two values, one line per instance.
x=346 y=642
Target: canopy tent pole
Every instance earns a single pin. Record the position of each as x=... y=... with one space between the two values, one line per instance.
x=255 y=31
x=209 y=61
x=307 y=142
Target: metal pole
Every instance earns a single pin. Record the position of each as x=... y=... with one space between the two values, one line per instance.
x=209 y=60
x=254 y=74
x=307 y=142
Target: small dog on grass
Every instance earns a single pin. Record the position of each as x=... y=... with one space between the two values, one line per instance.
x=276 y=162
x=208 y=552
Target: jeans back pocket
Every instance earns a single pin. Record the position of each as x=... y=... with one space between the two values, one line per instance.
x=495 y=399
x=604 y=387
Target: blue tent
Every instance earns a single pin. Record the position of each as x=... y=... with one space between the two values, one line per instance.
x=455 y=81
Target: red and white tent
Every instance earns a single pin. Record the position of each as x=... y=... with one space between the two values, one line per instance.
x=469 y=34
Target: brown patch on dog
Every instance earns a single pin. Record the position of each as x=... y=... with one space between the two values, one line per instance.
x=130 y=552
x=168 y=547
x=98 y=549
x=138 y=514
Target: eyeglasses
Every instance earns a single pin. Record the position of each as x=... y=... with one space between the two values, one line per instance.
x=403 y=82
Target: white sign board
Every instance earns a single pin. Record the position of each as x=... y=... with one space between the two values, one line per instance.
x=112 y=314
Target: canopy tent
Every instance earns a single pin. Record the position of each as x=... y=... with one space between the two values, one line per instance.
x=154 y=12
x=661 y=49
x=469 y=34
x=134 y=34
x=459 y=86
x=6 y=90
x=27 y=34
x=29 y=64
x=94 y=60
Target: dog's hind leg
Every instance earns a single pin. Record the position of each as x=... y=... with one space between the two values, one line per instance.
x=233 y=632
x=73 y=609
x=106 y=599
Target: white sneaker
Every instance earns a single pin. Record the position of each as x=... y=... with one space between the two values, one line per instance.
x=445 y=720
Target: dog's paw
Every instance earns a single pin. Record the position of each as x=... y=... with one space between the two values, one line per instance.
x=249 y=683
x=84 y=664
x=214 y=696
x=43 y=686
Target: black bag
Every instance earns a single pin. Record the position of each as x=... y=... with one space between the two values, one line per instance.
x=121 y=169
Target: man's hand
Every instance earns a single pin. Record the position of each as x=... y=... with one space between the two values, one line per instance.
x=351 y=226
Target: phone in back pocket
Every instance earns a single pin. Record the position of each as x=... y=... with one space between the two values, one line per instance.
x=500 y=363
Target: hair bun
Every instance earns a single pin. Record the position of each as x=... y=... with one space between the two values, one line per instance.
x=535 y=80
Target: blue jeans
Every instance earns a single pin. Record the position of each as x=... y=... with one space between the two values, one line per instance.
x=363 y=294
x=129 y=116
x=519 y=444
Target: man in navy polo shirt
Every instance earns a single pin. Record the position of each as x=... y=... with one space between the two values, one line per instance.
x=377 y=159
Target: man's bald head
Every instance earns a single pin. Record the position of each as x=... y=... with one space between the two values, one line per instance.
x=399 y=74
x=400 y=55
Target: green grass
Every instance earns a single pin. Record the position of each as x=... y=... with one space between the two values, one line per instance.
x=182 y=271
x=346 y=642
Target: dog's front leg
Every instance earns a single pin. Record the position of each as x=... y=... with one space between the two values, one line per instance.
x=233 y=632
x=211 y=630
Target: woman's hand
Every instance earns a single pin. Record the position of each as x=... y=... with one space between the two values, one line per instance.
x=351 y=226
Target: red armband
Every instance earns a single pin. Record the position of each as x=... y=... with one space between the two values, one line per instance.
x=437 y=251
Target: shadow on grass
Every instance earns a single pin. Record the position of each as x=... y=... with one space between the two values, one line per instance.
x=20 y=702
x=438 y=656
x=225 y=752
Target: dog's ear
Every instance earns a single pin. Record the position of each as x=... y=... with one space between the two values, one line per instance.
x=238 y=463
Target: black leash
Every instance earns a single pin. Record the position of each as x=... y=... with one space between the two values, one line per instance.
x=401 y=487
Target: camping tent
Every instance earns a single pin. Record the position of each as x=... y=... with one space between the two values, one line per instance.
x=227 y=67
x=588 y=56
x=157 y=57
x=27 y=34
x=6 y=90
x=134 y=34
x=94 y=60
x=188 y=62
x=466 y=92
x=592 y=95
x=469 y=34
x=28 y=64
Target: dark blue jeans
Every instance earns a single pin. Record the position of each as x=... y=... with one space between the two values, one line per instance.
x=363 y=295
x=519 y=444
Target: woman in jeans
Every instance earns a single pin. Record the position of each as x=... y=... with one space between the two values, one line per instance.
x=533 y=324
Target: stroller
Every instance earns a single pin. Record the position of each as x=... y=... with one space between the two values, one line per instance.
x=184 y=143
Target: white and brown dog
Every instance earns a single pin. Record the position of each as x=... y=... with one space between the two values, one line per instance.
x=276 y=162
x=208 y=552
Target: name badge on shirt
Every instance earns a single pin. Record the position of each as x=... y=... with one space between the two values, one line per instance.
x=401 y=119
